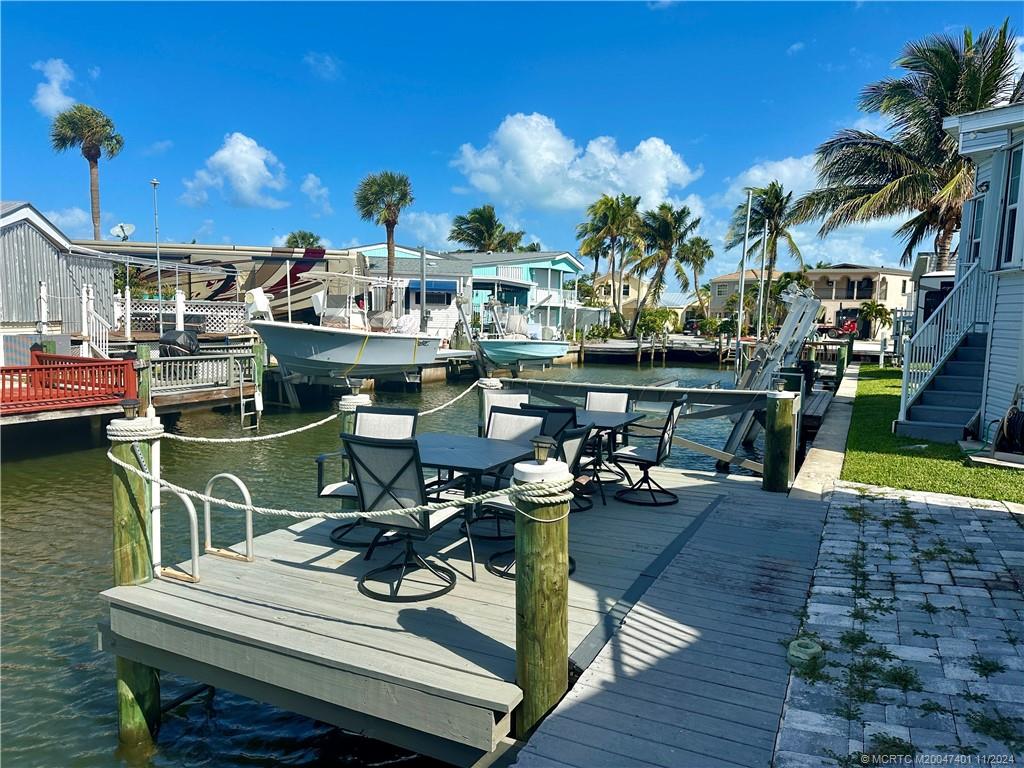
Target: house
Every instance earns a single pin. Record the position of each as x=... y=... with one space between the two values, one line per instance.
x=726 y=286
x=33 y=252
x=683 y=306
x=631 y=289
x=532 y=280
x=964 y=366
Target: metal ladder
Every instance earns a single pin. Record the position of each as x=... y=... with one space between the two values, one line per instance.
x=249 y=419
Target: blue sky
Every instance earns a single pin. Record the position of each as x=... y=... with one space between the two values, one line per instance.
x=261 y=118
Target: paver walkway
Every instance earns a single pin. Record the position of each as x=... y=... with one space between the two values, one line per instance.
x=918 y=599
x=696 y=676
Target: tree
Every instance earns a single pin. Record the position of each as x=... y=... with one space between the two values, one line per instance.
x=533 y=247
x=93 y=132
x=874 y=312
x=695 y=253
x=609 y=221
x=821 y=264
x=302 y=238
x=662 y=233
x=919 y=172
x=585 y=291
x=380 y=198
x=481 y=230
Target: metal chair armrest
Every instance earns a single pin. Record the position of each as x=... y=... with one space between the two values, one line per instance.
x=320 y=461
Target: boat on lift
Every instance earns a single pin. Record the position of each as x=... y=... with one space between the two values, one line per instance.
x=512 y=343
x=350 y=341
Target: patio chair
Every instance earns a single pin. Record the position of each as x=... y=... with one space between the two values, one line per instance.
x=500 y=397
x=613 y=402
x=388 y=475
x=559 y=417
x=646 y=457
x=370 y=421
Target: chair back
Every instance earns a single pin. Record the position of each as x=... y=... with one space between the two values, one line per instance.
x=559 y=417
x=665 y=439
x=570 y=446
x=515 y=424
x=388 y=475
x=377 y=421
x=613 y=402
x=499 y=397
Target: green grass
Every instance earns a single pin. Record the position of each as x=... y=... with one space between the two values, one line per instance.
x=876 y=456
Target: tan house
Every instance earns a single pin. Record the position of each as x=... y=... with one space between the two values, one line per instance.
x=725 y=286
x=631 y=288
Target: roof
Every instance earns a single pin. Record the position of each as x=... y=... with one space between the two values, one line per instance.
x=8 y=206
x=752 y=274
x=676 y=299
x=993 y=118
x=514 y=257
x=15 y=211
x=848 y=267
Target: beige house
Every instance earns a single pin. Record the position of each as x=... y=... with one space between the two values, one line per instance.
x=725 y=286
x=631 y=288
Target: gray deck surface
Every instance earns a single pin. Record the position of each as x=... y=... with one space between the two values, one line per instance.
x=696 y=675
x=293 y=623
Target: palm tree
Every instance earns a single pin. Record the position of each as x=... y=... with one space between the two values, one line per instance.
x=918 y=172
x=93 y=132
x=874 y=312
x=662 y=232
x=480 y=230
x=302 y=238
x=695 y=253
x=379 y=198
x=609 y=220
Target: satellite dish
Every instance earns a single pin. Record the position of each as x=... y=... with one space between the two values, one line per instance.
x=122 y=231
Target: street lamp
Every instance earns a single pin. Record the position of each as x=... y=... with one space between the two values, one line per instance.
x=159 y=275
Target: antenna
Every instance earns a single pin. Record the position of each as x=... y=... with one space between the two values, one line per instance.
x=122 y=230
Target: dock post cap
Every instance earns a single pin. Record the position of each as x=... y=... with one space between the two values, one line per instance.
x=773 y=395
x=532 y=472
x=351 y=402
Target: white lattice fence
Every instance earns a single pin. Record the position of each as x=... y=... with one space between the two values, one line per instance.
x=218 y=316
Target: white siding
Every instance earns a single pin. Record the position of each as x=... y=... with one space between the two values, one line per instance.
x=1006 y=353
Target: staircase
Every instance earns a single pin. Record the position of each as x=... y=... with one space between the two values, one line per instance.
x=949 y=402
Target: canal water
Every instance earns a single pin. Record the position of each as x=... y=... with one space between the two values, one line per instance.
x=57 y=695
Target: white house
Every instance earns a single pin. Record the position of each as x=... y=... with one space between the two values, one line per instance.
x=964 y=365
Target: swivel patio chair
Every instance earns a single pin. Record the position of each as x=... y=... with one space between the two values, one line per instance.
x=559 y=417
x=370 y=421
x=646 y=491
x=388 y=475
x=498 y=397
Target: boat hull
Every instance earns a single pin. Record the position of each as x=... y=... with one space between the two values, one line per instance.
x=510 y=351
x=314 y=350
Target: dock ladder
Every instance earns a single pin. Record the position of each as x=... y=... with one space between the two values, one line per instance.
x=251 y=408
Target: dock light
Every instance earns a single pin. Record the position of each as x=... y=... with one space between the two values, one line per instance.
x=780 y=385
x=130 y=406
x=542 y=445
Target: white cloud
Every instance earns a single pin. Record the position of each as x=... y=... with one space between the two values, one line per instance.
x=1018 y=54
x=845 y=246
x=429 y=229
x=50 y=98
x=73 y=222
x=158 y=147
x=872 y=122
x=204 y=231
x=796 y=174
x=278 y=241
x=795 y=48
x=318 y=194
x=94 y=72
x=529 y=162
x=242 y=170
x=323 y=65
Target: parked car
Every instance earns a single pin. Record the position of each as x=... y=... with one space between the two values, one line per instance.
x=691 y=327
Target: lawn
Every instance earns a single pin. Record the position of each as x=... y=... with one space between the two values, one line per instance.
x=875 y=455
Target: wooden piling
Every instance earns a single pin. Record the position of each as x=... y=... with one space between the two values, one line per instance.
x=144 y=371
x=639 y=349
x=542 y=597
x=138 y=686
x=842 y=358
x=779 y=442
x=259 y=357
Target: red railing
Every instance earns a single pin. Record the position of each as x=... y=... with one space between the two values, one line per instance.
x=57 y=382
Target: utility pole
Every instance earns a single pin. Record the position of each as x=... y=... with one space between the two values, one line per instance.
x=159 y=274
x=743 y=272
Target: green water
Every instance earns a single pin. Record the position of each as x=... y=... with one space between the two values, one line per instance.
x=57 y=693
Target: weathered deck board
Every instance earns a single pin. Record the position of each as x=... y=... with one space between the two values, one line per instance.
x=696 y=675
x=436 y=676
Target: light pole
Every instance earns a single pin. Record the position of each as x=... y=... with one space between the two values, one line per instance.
x=762 y=300
x=743 y=271
x=423 y=289
x=159 y=274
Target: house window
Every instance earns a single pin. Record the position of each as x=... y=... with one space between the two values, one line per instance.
x=721 y=290
x=974 y=236
x=903 y=288
x=606 y=289
x=1009 y=227
x=437 y=298
x=625 y=290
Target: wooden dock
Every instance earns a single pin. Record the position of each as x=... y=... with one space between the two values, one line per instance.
x=438 y=678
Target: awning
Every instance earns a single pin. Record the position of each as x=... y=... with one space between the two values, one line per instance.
x=440 y=286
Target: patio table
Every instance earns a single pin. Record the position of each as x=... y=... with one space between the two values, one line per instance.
x=607 y=424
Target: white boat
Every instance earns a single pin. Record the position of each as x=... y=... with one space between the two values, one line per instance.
x=511 y=351
x=320 y=350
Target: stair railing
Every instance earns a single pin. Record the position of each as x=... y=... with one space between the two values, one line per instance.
x=95 y=328
x=924 y=354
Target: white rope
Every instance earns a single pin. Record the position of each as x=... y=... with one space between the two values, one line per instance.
x=546 y=492
x=455 y=399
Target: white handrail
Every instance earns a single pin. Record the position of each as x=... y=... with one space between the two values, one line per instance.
x=221 y=551
x=937 y=339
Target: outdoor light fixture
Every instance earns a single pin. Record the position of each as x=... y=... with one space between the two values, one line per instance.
x=982 y=187
x=542 y=445
x=780 y=385
x=130 y=406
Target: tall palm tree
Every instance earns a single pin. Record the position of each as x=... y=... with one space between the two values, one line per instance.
x=609 y=220
x=93 y=132
x=380 y=198
x=874 y=312
x=771 y=205
x=481 y=230
x=663 y=232
x=695 y=253
x=302 y=238
x=918 y=172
